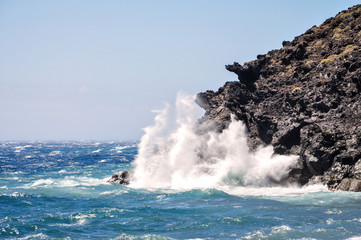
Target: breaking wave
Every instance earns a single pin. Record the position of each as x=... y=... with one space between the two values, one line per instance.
x=67 y=182
x=175 y=153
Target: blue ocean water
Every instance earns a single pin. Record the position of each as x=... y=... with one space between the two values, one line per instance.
x=58 y=190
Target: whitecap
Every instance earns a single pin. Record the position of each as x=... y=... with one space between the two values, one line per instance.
x=333 y=211
x=282 y=228
x=11 y=178
x=81 y=219
x=17 y=194
x=54 y=153
x=115 y=192
x=160 y=197
x=354 y=238
x=20 y=148
x=35 y=236
x=68 y=181
x=290 y=190
x=125 y=236
x=232 y=219
x=42 y=182
x=256 y=235
x=27 y=202
x=119 y=149
x=330 y=221
x=81 y=181
x=77 y=220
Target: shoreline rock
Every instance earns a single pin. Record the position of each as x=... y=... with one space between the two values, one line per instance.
x=303 y=99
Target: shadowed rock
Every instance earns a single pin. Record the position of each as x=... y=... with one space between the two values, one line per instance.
x=122 y=178
x=303 y=99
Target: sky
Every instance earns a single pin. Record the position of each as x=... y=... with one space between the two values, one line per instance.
x=95 y=70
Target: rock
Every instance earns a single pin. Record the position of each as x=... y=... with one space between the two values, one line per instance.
x=348 y=184
x=303 y=99
x=356 y=171
x=122 y=178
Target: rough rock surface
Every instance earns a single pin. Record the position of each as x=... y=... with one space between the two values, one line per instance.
x=303 y=99
x=122 y=178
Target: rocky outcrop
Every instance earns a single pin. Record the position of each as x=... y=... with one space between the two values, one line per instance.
x=303 y=99
x=122 y=178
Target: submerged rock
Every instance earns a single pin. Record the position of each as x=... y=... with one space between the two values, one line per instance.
x=303 y=99
x=122 y=178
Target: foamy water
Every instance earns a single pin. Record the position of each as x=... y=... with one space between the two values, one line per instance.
x=174 y=154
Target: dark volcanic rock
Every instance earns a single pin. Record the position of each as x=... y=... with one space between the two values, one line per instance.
x=122 y=178
x=303 y=99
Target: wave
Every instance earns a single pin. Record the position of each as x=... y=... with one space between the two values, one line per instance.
x=35 y=236
x=55 y=153
x=125 y=236
x=42 y=182
x=275 y=191
x=69 y=181
x=276 y=232
x=119 y=149
x=175 y=153
x=75 y=220
x=19 y=195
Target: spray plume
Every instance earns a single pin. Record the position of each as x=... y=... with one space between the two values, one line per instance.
x=173 y=154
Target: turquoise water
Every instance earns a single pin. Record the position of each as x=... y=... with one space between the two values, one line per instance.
x=59 y=191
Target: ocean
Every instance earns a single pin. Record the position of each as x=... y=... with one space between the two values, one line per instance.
x=185 y=184
x=59 y=190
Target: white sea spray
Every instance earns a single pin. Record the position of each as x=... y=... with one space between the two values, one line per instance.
x=174 y=154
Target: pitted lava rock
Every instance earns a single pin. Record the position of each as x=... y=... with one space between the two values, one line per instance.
x=303 y=99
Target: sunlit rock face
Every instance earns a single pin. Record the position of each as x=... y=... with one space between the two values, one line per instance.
x=303 y=99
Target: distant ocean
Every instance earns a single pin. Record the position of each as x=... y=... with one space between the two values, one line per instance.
x=186 y=184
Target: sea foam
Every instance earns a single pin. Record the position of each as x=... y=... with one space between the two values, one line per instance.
x=67 y=182
x=175 y=154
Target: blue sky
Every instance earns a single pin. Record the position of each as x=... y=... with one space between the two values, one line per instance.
x=94 y=70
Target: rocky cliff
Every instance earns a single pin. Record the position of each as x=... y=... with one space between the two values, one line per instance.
x=303 y=99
